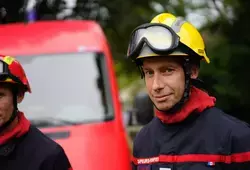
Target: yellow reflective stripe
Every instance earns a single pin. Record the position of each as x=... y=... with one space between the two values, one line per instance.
x=8 y=59
x=8 y=80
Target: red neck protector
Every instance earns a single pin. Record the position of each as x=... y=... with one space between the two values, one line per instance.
x=197 y=102
x=21 y=128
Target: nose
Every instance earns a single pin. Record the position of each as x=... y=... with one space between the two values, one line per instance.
x=158 y=83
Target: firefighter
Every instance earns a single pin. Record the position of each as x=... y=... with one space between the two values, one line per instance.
x=23 y=146
x=188 y=131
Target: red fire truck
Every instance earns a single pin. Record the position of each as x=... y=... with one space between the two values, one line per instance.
x=74 y=96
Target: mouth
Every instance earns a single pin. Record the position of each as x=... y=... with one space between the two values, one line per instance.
x=162 y=97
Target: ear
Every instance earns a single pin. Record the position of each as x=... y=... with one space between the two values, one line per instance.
x=20 y=97
x=195 y=72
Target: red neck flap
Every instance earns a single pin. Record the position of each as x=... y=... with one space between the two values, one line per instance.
x=197 y=102
x=21 y=128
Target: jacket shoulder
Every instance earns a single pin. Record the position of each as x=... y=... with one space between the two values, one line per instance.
x=41 y=138
x=145 y=130
x=217 y=117
x=144 y=138
x=35 y=138
x=238 y=131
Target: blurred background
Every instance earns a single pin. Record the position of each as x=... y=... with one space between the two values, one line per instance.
x=224 y=25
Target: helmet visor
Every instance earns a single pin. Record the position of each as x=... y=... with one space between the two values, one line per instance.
x=160 y=38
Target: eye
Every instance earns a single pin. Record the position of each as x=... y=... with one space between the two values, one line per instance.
x=148 y=72
x=169 y=70
x=2 y=94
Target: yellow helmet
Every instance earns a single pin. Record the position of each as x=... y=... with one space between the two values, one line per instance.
x=188 y=34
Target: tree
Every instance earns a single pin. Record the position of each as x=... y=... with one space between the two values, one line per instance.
x=229 y=45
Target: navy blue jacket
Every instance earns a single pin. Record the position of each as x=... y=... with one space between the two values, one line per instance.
x=33 y=151
x=211 y=140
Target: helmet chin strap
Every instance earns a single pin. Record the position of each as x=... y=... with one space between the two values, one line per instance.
x=14 y=113
x=178 y=106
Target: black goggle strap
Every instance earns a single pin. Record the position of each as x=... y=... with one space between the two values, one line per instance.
x=187 y=70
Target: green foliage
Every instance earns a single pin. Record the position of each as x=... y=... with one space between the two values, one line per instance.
x=228 y=45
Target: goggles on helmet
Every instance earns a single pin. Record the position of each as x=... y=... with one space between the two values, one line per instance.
x=160 y=38
x=5 y=73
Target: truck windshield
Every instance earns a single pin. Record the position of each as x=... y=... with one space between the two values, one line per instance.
x=66 y=89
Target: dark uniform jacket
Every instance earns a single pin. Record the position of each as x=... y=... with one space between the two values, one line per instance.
x=199 y=137
x=26 y=148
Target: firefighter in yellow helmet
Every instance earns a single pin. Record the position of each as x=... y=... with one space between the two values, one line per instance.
x=188 y=131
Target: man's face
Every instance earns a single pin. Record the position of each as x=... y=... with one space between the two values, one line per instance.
x=165 y=81
x=6 y=104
